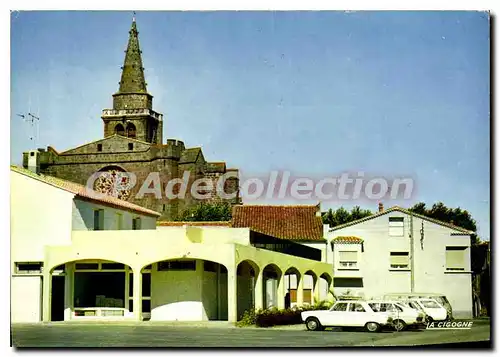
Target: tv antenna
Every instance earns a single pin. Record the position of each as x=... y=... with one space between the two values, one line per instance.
x=33 y=121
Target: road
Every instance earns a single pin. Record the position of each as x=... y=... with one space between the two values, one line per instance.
x=220 y=335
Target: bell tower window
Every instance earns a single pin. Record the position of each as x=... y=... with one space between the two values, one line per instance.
x=119 y=130
x=131 y=133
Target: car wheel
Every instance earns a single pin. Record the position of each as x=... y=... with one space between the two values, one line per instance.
x=399 y=325
x=313 y=324
x=429 y=319
x=372 y=326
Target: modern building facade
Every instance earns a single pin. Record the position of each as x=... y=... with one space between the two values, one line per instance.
x=80 y=255
x=397 y=251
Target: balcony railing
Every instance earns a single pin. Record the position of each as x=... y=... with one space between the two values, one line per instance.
x=141 y=111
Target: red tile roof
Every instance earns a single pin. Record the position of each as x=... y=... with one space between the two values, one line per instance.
x=286 y=222
x=347 y=240
x=194 y=224
x=83 y=192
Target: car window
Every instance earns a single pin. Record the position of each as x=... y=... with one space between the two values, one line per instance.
x=397 y=307
x=356 y=307
x=341 y=306
x=375 y=307
x=430 y=304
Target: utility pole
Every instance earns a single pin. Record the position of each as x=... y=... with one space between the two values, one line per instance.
x=412 y=256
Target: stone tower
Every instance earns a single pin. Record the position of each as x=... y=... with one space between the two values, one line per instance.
x=132 y=115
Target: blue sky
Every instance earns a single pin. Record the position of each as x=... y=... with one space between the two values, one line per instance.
x=316 y=93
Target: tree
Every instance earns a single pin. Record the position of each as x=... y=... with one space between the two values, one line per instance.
x=207 y=212
x=456 y=216
x=341 y=215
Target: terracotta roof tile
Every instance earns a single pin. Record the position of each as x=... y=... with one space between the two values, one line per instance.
x=285 y=222
x=84 y=192
x=194 y=224
x=347 y=240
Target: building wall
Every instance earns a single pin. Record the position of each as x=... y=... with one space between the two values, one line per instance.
x=26 y=299
x=83 y=217
x=177 y=295
x=430 y=275
x=40 y=215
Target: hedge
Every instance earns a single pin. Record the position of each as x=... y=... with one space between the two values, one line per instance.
x=273 y=316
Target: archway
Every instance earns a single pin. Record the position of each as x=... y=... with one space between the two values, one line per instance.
x=246 y=278
x=119 y=130
x=131 y=131
x=310 y=280
x=325 y=284
x=292 y=280
x=90 y=288
x=271 y=276
x=188 y=289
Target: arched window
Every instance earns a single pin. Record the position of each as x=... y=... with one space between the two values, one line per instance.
x=131 y=130
x=119 y=130
x=113 y=181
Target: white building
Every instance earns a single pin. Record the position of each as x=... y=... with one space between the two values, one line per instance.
x=78 y=255
x=396 y=251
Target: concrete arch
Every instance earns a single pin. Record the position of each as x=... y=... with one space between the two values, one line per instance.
x=55 y=263
x=190 y=257
x=252 y=264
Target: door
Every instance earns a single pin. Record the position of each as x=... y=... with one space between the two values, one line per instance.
x=357 y=314
x=57 y=308
x=336 y=316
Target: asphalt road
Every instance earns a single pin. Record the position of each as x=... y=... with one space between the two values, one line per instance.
x=168 y=335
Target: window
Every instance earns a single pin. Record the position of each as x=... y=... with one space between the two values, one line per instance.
x=430 y=304
x=455 y=258
x=86 y=266
x=210 y=266
x=29 y=268
x=131 y=130
x=348 y=282
x=119 y=130
x=177 y=265
x=348 y=260
x=356 y=307
x=98 y=220
x=136 y=223
x=399 y=260
x=396 y=226
x=112 y=266
x=119 y=221
x=99 y=147
x=130 y=146
x=341 y=306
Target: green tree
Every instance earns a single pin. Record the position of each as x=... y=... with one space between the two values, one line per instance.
x=207 y=212
x=456 y=216
x=341 y=215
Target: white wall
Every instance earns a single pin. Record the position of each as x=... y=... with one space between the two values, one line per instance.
x=176 y=295
x=83 y=217
x=40 y=215
x=26 y=294
x=429 y=266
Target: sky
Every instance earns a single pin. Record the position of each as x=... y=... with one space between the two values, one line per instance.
x=315 y=93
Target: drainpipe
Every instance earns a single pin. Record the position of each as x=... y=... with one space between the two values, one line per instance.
x=412 y=257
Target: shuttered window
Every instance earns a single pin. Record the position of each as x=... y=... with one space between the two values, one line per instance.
x=98 y=220
x=396 y=226
x=455 y=258
x=399 y=260
x=348 y=259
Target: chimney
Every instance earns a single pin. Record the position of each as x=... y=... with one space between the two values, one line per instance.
x=34 y=161
x=381 y=207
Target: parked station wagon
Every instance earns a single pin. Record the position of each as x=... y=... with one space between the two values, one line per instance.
x=346 y=314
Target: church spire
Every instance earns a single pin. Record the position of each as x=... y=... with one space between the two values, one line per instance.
x=132 y=79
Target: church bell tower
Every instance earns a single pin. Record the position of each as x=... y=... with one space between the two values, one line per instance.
x=132 y=115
